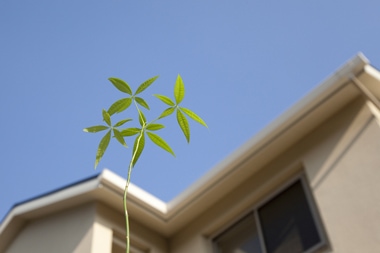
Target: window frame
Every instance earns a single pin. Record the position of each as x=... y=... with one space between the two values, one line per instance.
x=323 y=245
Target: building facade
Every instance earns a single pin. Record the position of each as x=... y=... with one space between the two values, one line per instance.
x=309 y=182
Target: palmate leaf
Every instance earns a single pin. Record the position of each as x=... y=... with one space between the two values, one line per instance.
x=102 y=147
x=167 y=112
x=130 y=131
x=142 y=102
x=165 y=99
x=184 y=125
x=138 y=147
x=179 y=90
x=145 y=85
x=106 y=117
x=121 y=122
x=120 y=105
x=95 y=129
x=120 y=85
x=119 y=137
x=154 y=127
x=194 y=116
x=160 y=142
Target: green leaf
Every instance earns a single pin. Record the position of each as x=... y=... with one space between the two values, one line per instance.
x=154 y=127
x=121 y=122
x=165 y=99
x=142 y=102
x=102 y=147
x=194 y=116
x=95 y=129
x=167 y=112
x=184 y=124
x=160 y=142
x=120 y=85
x=179 y=90
x=138 y=147
x=130 y=131
x=145 y=85
x=106 y=117
x=119 y=137
x=142 y=118
x=120 y=105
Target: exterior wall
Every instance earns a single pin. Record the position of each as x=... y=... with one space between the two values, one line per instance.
x=67 y=231
x=345 y=181
x=101 y=241
x=341 y=161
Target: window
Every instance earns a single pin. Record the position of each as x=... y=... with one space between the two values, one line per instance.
x=241 y=237
x=283 y=224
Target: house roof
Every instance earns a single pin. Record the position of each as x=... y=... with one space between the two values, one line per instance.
x=328 y=98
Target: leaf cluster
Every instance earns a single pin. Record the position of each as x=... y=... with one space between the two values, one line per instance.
x=145 y=128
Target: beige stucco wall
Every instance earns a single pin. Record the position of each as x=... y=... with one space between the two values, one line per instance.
x=66 y=231
x=340 y=159
x=345 y=180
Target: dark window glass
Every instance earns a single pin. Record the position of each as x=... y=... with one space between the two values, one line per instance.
x=287 y=222
x=242 y=237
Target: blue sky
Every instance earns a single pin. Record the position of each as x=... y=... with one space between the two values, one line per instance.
x=243 y=64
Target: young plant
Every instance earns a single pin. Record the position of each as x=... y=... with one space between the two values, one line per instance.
x=145 y=128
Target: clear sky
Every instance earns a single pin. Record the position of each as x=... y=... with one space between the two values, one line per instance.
x=243 y=64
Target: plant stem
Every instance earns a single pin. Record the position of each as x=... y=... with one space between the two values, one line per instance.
x=127 y=234
x=126 y=218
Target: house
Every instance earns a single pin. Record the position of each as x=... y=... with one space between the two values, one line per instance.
x=309 y=182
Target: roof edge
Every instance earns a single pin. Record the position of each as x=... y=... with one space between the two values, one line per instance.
x=144 y=198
